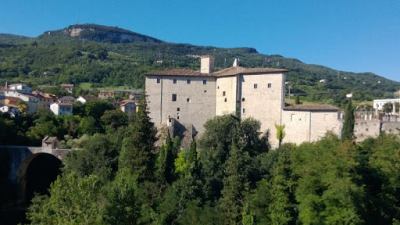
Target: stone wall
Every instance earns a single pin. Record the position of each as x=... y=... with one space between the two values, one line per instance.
x=226 y=95
x=309 y=126
x=364 y=129
x=262 y=98
x=195 y=101
x=391 y=127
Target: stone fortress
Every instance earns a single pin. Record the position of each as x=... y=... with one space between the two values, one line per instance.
x=190 y=98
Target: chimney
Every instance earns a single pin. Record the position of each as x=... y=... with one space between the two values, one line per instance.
x=207 y=64
x=235 y=62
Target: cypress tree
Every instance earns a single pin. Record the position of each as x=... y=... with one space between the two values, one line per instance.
x=348 y=124
x=165 y=164
x=137 y=148
x=235 y=184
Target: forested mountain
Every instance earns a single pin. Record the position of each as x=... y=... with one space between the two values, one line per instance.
x=111 y=56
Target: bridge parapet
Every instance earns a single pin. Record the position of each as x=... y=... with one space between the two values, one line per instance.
x=17 y=155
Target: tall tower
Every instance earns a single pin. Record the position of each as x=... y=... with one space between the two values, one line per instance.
x=206 y=64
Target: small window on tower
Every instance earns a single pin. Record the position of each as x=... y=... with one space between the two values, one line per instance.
x=158 y=80
x=243 y=99
x=244 y=110
x=269 y=85
x=255 y=86
x=174 y=81
x=225 y=100
x=188 y=100
x=223 y=93
x=174 y=97
x=178 y=109
x=204 y=82
x=188 y=81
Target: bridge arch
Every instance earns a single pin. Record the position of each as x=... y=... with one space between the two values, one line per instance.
x=36 y=173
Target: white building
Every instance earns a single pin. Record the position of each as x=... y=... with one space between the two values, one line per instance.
x=81 y=99
x=193 y=97
x=379 y=103
x=61 y=109
x=128 y=106
x=68 y=87
x=22 y=88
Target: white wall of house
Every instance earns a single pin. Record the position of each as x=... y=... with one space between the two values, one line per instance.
x=60 y=109
x=379 y=103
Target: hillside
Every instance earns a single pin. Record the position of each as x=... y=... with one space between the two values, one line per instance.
x=110 y=56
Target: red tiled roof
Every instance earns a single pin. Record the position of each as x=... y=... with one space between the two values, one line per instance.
x=231 y=71
x=178 y=72
x=313 y=107
x=124 y=102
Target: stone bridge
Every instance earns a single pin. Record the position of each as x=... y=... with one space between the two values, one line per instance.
x=26 y=170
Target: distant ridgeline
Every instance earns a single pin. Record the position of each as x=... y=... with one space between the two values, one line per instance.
x=111 y=56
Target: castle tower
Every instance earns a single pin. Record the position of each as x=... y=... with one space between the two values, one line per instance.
x=206 y=64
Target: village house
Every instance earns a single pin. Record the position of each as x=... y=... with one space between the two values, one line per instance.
x=21 y=88
x=378 y=104
x=31 y=101
x=85 y=99
x=192 y=97
x=67 y=99
x=68 y=87
x=61 y=108
x=45 y=99
x=106 y=94
x=128 y=106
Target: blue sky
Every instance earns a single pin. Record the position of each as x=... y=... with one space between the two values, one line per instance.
x=350 y=35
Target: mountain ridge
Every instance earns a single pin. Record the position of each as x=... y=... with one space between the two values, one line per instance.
x=102 y=33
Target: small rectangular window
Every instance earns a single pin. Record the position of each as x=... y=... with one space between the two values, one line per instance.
x=243 y=99
x=204 y=82
x=225 y=100
x=269 y=85
x=178 y=109
x=174 y=97
x=244 y=110
x=205 y=91
x=255 y=86
x=174 y=81
x=223 y=93
x=188 y=100
x=158 y=80
x=188 y=81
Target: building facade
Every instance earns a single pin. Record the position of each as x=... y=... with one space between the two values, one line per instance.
x=61 y=109
x=193 y=97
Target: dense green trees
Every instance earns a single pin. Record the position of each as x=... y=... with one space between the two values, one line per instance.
x=137 y=151
x=73 y=200
x=229 y=177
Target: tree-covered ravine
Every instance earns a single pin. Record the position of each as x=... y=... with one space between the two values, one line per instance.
x=124 y=173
